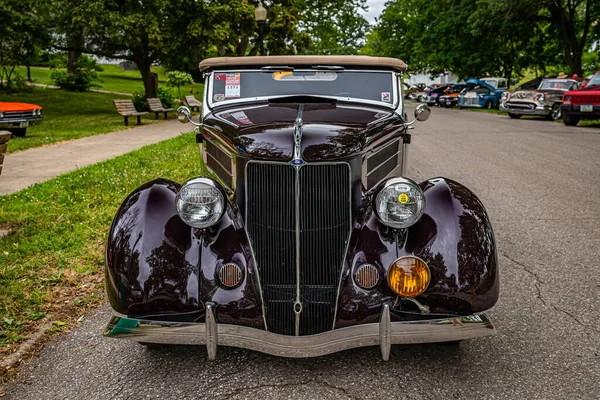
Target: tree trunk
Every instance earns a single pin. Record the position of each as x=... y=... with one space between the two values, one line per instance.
x=564 y=17
x=149 y=78
x=75 y=44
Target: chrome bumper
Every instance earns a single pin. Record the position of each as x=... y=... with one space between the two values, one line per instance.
x=538 y=110
x=385 y=333
x=16 y=123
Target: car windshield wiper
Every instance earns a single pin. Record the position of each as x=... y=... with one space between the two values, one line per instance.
x=328 y=68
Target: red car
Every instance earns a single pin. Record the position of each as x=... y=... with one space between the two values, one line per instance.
x=582 y=103
x=17 y=117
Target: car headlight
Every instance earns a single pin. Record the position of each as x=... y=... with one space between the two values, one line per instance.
x=200 y=203
x=400 y=203
x=1 y=114
x=540 y=97
x=567 y=100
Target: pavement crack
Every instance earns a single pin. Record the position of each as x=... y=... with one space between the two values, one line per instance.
x=241 y=390
x=574 y=318
x=538 y=281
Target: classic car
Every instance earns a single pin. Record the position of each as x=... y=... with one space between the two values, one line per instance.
x=486 y=93
x=305 y=237
x=583 y=103
x=17 y=117
x=545 y=101
x=414 y=91
x=434 y=96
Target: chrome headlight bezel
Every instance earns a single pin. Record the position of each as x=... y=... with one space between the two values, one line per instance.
x=1 y=114
x=416 y=201
x=218 y=205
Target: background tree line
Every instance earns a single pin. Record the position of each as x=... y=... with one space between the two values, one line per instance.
x=496 y=37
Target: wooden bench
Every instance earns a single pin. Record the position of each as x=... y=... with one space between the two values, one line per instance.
x=156 y=107
x=192 y=103
x=126 y=109
x=4 y=137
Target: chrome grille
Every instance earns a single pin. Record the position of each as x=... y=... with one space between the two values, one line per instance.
x=18 y=114
x=320 y=232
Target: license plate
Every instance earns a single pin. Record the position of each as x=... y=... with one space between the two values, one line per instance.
x=24 y=124
x=586 y=108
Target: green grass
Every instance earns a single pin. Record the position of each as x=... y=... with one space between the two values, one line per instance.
x=69 y=115
x=113 y=79
x=51 y=263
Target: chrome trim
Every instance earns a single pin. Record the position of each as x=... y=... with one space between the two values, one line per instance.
x=297 y=199
x=385 y=332
x=298 y=137
x=404 y=157
x=211 y=331
x=373 y=334
x=211 y=105
x=209 y=182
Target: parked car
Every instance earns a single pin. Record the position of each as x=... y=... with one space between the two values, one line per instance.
x=414 y=91
x=583 y=103
x=435 y=95
x=17 y=117
x=307 y=237
x=544 y=101
x=451 y=100
x=486 y=93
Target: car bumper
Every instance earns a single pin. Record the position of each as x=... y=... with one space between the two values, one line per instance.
x=576 y=110
x=385 y=333
x=19 y=123
x=526 y=109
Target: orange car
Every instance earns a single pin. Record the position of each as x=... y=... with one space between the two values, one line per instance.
x=17 y=117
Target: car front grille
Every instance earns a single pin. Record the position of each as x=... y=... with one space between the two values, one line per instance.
x=10 y=115
x=585 y=99
x=519 y=106
x=468 y=101
x=318 y=227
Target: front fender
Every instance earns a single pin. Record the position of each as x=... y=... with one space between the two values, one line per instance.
x=454 y=237
x=158 y=265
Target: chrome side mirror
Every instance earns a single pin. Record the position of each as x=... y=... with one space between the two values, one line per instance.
x=422 y=112
x=184 y=114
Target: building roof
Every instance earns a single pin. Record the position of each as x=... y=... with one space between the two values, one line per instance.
x=365 y=61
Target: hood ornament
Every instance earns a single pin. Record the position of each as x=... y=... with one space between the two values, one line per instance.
x=297 y=160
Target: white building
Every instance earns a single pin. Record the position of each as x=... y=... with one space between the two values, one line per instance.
x=427 y=79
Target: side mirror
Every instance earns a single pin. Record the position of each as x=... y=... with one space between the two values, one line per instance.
x=422 y=112
x=184 y=115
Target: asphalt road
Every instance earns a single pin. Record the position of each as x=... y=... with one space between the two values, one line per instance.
x=540 y=183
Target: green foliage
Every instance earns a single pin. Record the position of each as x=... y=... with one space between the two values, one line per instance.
x=178 y=79
x=166 y=97
x=80 y=80
x=139 y=100
x=59 y=229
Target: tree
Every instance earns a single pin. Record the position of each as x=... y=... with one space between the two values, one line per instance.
x=178 y=79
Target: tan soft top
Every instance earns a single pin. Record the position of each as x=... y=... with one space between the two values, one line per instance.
x=365 y=61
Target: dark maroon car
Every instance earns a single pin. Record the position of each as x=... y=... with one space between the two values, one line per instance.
x=304 y=237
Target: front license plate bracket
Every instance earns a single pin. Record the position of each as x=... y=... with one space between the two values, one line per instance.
x=586 y=108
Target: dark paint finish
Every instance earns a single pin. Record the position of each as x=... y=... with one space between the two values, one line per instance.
x=330 y=130
x=454 y=237
x=158 y=265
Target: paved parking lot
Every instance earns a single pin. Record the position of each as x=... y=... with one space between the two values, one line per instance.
x=540 y=182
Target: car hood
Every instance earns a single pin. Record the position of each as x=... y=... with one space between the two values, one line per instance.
x=330 y=130
x=481 y=83
x=585 y=90
x=10 y=106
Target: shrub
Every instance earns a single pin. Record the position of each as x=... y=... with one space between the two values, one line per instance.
x=81 y=79
x=165 y=95
x=178 y=79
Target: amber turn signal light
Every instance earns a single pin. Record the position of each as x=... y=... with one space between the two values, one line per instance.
x=409 y=276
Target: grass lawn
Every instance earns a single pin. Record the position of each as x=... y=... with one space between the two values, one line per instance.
x=51 y=262
x=69 y=115
x=113 y=78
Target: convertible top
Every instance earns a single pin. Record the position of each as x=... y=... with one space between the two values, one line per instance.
x=363 y=61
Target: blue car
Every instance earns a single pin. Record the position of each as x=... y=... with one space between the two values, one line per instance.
x=486 y=93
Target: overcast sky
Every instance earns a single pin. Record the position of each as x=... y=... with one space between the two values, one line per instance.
x=375 y=9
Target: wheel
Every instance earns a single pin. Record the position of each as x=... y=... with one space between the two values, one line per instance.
x=570 y=119
x=556 y=112
x=421 y=99
x=488 y=105
x=20 y=132
x=514 y=116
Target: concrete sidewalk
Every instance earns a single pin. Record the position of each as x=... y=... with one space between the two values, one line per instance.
x=25 y=168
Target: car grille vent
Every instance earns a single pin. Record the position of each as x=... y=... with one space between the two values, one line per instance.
x=382 y=163
x=18 y=114
x=220 y=162
x=585 y=99
x=324 y=224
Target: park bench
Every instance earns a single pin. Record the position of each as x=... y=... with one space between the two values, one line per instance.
x=192 y=103
x=126 y=109
x=4 y=137
x=156 y=107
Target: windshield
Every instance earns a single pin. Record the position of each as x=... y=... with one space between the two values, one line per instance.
x=595 y=80
x=555 y=84
x=365 y=85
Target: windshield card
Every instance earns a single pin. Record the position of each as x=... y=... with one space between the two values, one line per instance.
x=386 y=96
x=242 y=118
x=232 y=84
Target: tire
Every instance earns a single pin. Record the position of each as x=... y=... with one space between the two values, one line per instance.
x=556 y=113
x=421 y=99
x=570 y=119
x=514 y=116
x=19 y=132
x=488 y=105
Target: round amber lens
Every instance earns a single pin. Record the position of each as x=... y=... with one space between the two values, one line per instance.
x=409 y=276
